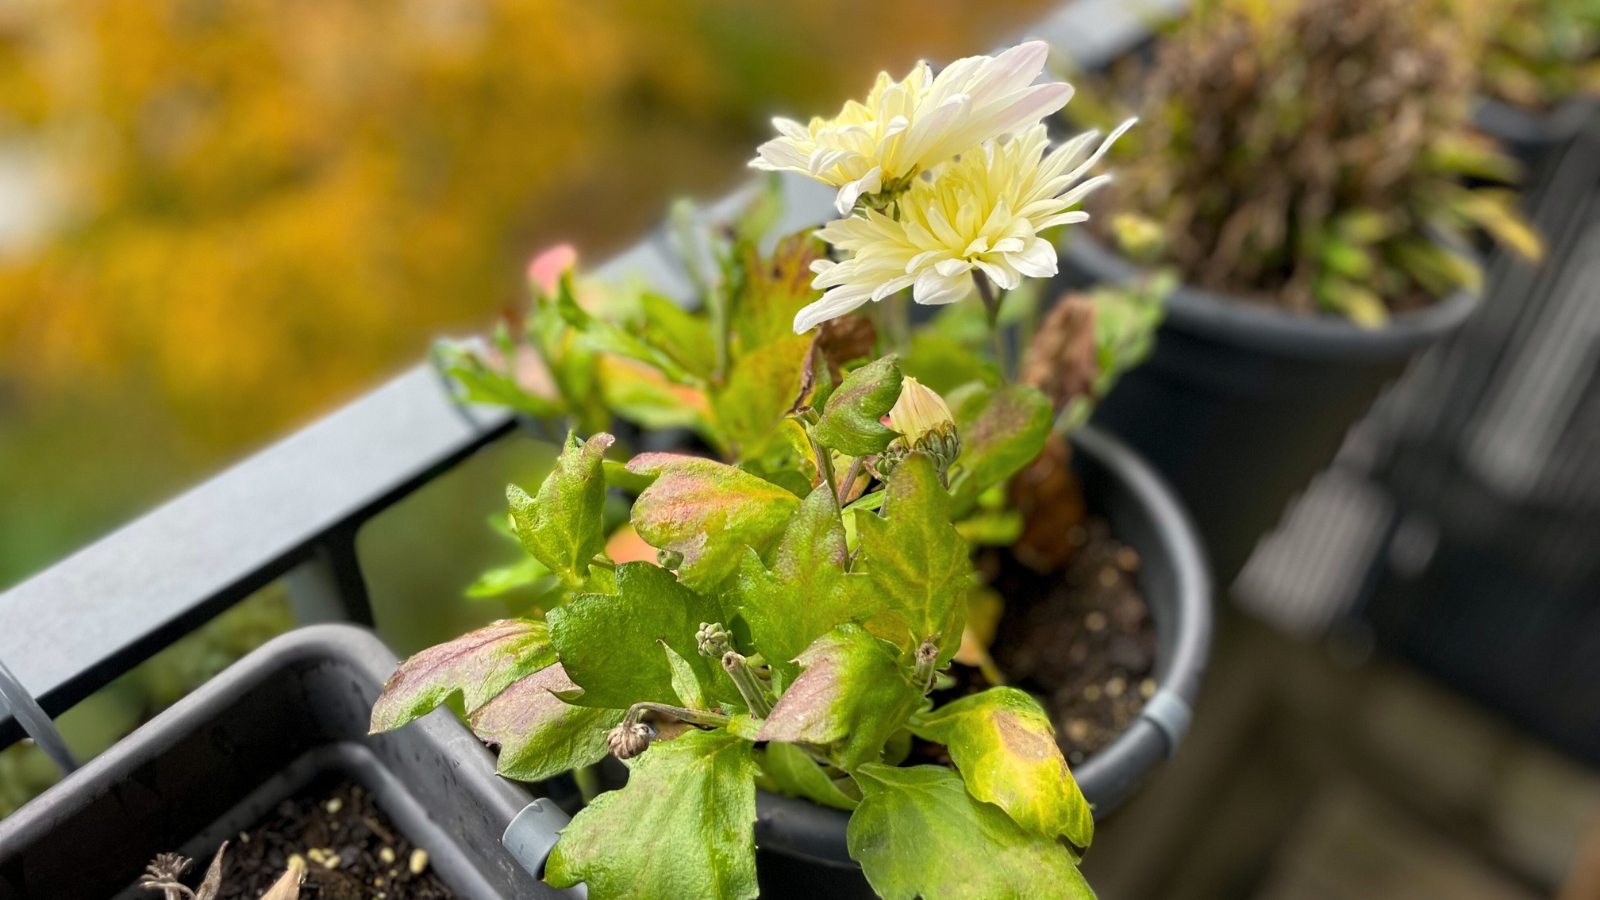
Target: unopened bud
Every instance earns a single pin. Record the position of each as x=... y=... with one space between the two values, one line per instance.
x=714 y=640
x=629 y=739
x=918 y=412
x=669 y=559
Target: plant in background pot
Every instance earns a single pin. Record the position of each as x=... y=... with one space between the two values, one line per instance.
x=1539 y=71
x=794 y=622
x=1308 y=170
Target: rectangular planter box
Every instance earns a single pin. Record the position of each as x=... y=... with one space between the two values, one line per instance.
x=293 y=711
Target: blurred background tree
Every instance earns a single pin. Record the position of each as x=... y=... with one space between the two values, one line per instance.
x=221 y=218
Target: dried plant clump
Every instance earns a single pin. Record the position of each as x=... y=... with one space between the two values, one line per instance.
x=166 y=869
x=1314 y=155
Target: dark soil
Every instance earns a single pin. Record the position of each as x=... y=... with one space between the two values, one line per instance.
x=1081 y=641
x=352 y=851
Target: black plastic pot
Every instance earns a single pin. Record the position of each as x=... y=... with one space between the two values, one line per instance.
x=1530 y=134
x=292 y=712
x=803 y=844
x=1240 y=404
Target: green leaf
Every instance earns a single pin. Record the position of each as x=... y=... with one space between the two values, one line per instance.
x=801 y=597
x=481 y=383
x=683 y=827
x=709 y=512
x=943 y=365
x=912 y=561
x=539 y=735
x=797 y=774
x=505 y=579
x=479 y=664
x=1004 y=745
x=562 y=527
x=849 y=422
x=680 y=334
x=918 y=833
x=760 y=391
x=685 y=680
x=853 y=691
x=1001 y=431
x=608 y=642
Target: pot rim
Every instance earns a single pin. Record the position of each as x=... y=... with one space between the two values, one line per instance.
x=804 y=829
x=1269 y=330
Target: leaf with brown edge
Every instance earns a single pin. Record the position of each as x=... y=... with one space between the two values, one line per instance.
x=801 y=597
x=562 y=526
x=852 y=692
x=850 y=419
x=709 y=512
x=912 y=562
x=1005 y=747
x=539 y=735
x=479 y=664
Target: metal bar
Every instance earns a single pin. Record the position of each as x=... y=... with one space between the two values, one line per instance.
x=15 y=699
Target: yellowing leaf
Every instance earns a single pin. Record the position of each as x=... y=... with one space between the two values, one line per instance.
x=683 y=827
x=1005 y=747
x=708 y=512
x=919 y=834
x=760 y=391
x=1001 y=431
x=480 y=665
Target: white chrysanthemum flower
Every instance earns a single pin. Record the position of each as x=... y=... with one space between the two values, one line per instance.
x=906 y=127
x=983 y=211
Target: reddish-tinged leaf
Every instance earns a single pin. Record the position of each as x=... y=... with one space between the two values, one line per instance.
x=709 y=512
x=850 y=419
x=539 y=735
x=479 y=665
x=853 y=690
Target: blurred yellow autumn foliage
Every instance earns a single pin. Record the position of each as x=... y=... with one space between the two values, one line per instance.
x=220 y=217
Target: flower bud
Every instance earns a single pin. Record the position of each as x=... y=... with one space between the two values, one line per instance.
x=924 y=423
x=714 y=640
x=629 y=739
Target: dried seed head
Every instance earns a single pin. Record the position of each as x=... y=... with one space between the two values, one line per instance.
x=629 y=739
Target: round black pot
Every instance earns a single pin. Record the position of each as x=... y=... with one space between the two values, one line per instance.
x=1530 y=134
x=802 y=845
x=1240 y=404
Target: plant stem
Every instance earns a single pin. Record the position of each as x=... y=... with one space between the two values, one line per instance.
x=824 y=463
x=750 y=687
x=692 y=716
x=850 y=477
x=991 y=305
x=603 y=562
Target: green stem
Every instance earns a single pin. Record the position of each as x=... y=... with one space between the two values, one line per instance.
x=692 y=716
x=850 y=477
x=750 y=686
x=588 y=779
x=991 y=305
x=824 y=463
